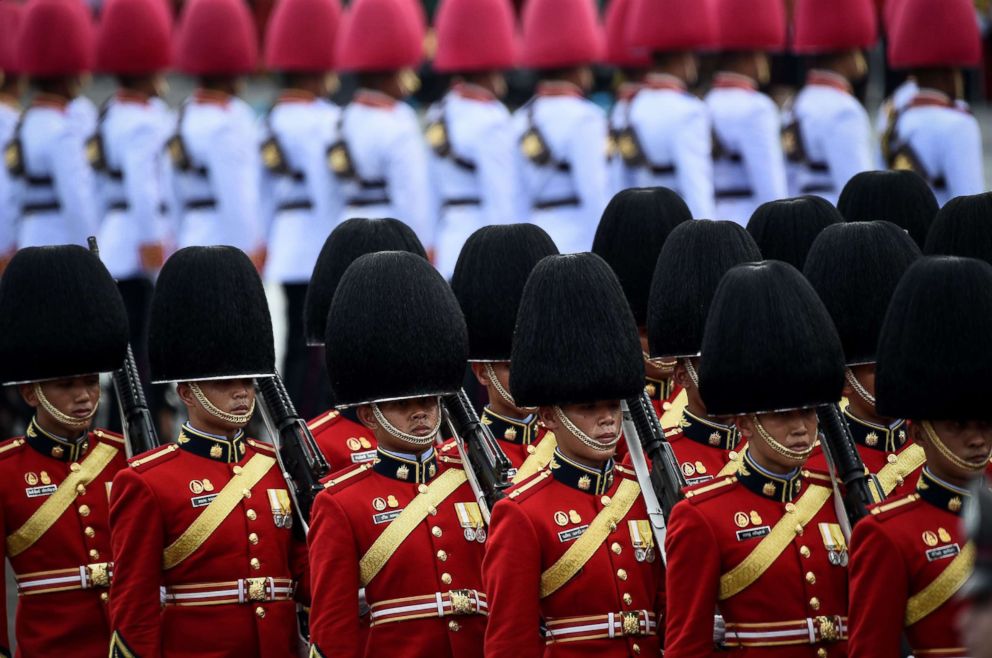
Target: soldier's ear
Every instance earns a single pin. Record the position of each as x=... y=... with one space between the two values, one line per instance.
x=745 y=425
x=548 y=418
x=29 y=395
x=367 y=418
x=479 y=370
x=186 y=394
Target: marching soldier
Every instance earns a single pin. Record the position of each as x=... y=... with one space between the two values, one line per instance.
x=469 y=131
x=855 y=268
x=11 y=90
x=62 y=322
x=339 y=434
x=935 y=135
x=489 y=281
x=378 y=155
x=764 y=545
x=668 y=141
x=206 y=561
x=407 y=526
x=572 y=551
x=785 y=230
x=562 y=136
x=692 y=262
x=748 y=164
x=910 y=556
x=301 y=197
x=214 y=149
x=901 y=197
x=827 y=133
x=961 y=228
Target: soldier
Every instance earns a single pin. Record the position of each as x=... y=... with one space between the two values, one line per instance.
x=562 y=136
x=975 y=623
x=302 y=198
x=469 y=131
x=786 y=229
x=489 y=281
x=214 y=149
x=827 y=134
x=55 y=479
x=854 y=268
x=692 y=262
x=406 y=527
x=764 y=545
x=11 y=90
x=669 y=136
x=961 y=228
x=901 y=197
x=339 y=434
x=910 y=557
x=207 y=563
x=935 y=135
x=379 y=155
x=748 y=164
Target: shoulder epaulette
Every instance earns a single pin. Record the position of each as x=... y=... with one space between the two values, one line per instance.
x=320 y=420
x=672 y=431
x=449 y=446
x=7 y=447
x=153 y=456
x=106 y=435
x=700 y=491
x=348 y=475
x=816 y=475
x=448 y=453
x=899 y=503
x=625 y=471
x=264 y=447
x=522 y=491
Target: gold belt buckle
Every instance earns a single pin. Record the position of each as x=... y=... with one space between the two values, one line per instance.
x=631 y=623
x=462 y=602
x=829 y=630
x=256 y=589
x=98 y=574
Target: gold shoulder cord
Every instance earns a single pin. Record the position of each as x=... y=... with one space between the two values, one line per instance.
x=943 y=587
x=906 y=462
x=543 y=453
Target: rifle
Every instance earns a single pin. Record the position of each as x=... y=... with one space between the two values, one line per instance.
x=842 y=454
x=136 y=419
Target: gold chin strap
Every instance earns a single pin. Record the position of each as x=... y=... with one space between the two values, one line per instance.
x=500 y=390
x=586 y=440
x=799 y=457
x=691 y=371
x=397 y=433
x=217 y=413
x=63 y=418
x=950 y=456
x=858 y=388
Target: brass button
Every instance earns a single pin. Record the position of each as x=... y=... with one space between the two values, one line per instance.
x=436 y=531
x=251 y=515
x=636 y=648
x=237 y=470
x=246 y=493
x=900 y=481
x=790 y=508
x=531 y=450
x=892 y=459
x=605 y=500
x=441 y=555
x=422 y=488
x=799 y=529
x=89 y=532
x=814 y=603
x=627 y=598
x=804 y=551
x=622 y=574
x=94 y=554
x=74 y=467
x=454 y=626
x=613 y=527
x=432 y=511
x=255 y=564
x=260 y=611
x=84 y=510
x=104 y=597
x=616 y=548
x=821 y=653
x=253 y=538
x=446 y=578
x=732 y=455
x=810 y=577
x=81 y=489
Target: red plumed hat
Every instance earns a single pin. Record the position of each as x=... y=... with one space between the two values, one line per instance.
x=934 y=33
x=833 y=26
x=381 y=35
x=890 y=8
x=11 y=14
x=55 y=38
x=475 y=35
x=619 y=51
x=301 y=35
x=672 y=25
x=750 y=24
x=216 y=37
x=561 y=33
x=134 y=37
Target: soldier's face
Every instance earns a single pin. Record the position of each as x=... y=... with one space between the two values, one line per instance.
x=73 y=396
x=231 y=396
x=653 y=368
x=793 y=430
x=600 y=421
x=861 y=408
x=417 y=416
x=968 y=440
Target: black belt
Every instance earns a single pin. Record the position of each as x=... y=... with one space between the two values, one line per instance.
x=373 y=184
x=557 y=203
x=662 y=170
x=302 y=204
x=200 y=204
x=38 y=208
x=456 y=203
x=742 y=193
x=39 y=181
x=362 y=203
x=125 y=206
x=813 y=188
x=821 y=167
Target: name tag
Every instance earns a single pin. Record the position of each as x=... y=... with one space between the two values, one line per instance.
x=361 y=457
x=385 y=517
x=570 y=535
x=203 y=501
x=942 y=552
x=753 y=533
x=37 y=492
x=705 y=478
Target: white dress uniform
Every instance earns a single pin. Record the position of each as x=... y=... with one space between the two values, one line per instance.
x=622 y=175
x=828 y=132
x=886 y=116
x=217 y=188
x=9 y=115
x=748 y=167
x=388 y=156
x=565 y=195
x=472 y=157
x=673 y=128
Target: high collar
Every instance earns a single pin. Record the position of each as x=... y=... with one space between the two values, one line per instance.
x=211 y=97
x=730 y=80
x=665 y=81
x=559 y=88
x=420 y=469
x=931 y=97
x=824 y=78
x=372 y=98
x=511 y=430
x=212 y=446
x=296 y=96
x=473 y=92
x=627 y=91
x=940 y=494
x=124 y=95
x=659 y=389
x=783 y=488
x=708 y=433
x=590 y=480
x=50 y=101
x=66 y=450
x=877 y=437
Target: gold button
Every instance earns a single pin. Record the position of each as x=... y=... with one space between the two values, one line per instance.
x=432 y=511
x=814 y=603
x=81 y=489
x=732 y=455
x=900 y=481
x=804 y=551
x=627 y=598
x=622 y=574
x=246 y=493
x=454 y=626
x=422 y=488
x=636 y=648
x=799 y=529
x=94 y=554
x=253 y=538
x=616 y=548
x=255 y=564
x=89 y=532
x=821 y=653
x=892 y=459
x=605 y=500
x=237 y=470
x=810 y=577
x=74 y=467
x=260 y=611
x=446 y=578
x=251 y=515
x=84 y=510
x=436 y=531
x=613 y=527
x=104 y=597
x=790 y=508
x=441 y=555
x=531 y=450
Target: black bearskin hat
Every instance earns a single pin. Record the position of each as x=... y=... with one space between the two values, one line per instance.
x=935 y=349
x=209 y=318
x=695 y=257
x=630 y=235
x=963 y=227
x=489 y=279
x=349 y=240
x=855 y=268
x=785 y=229
x=576 y=339
x=61 y=315
x=901 y=197
x=394 y=331
x=769 y=344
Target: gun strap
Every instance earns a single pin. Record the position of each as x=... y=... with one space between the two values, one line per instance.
x=400 y=528
x=543 y=452
x=906 y=462
x=52 y=509
x=943 y=587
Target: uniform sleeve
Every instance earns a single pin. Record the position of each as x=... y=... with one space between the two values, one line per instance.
x=848 y=146
x=511 y=575
x=334 y=583
x=962 y=155
x=693 y=151
x=143 y=181
x=137 y=538
x=879 y=584
x=497 y=178
x=520 y=170
x=74 y=184
x=587 y=157
x=409 y=187
x=322 y=186
x=692 y=580
x=761 y=149
x=235 y=169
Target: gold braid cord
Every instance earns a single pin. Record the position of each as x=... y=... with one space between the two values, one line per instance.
x=63 y=418
x=216 y=412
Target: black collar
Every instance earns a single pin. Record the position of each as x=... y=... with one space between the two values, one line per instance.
x=708 y=433
x=776 y=487
x=421 y=470
x=659 y=389
x=583 y=478
x=48 y=444
x=940 y=494
x=213 y=447
x=522 y=432
x=877 y=437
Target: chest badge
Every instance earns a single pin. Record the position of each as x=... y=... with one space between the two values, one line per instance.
x=282 y=509
x=834 y=542
x=31 y=479
x=741 y=520
x=470 y=519
x=943 y=535
x=930 y=538
x=561 y=519
x=574 y=516
x=378 y=504
x=585 y=482
x=642 y=539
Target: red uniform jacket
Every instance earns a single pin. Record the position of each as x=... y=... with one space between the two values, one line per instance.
x=703 y=448
x=343 y=441
x=896 y=553
x=621 y=581
x=717 y=527
x=521 y=440
x=436 y=567
x=232 y=596
x=60 y=610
